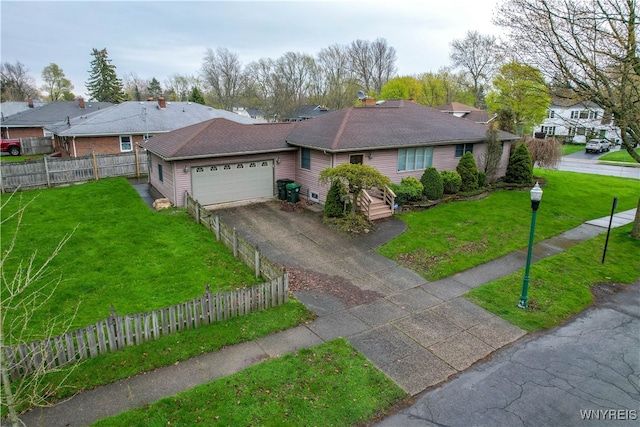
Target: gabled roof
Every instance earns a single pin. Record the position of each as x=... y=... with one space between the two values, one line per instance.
x=220 y=137
x=305 y=112
x=134 y=117
x=9 y=108
x=52 y=112
x=390 y=124
x=566 y=103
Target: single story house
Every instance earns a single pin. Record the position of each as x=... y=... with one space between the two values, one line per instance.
x=34 y=122
x=219 y=161
x=120 y=128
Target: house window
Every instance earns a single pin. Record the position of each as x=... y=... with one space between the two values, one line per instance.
x=305 y=158
x=603 y=133
x=410 y=159
x=581 y=131
x=575 y=114
x=572 y=130
x=593 y=114
x=551 y=114
x=549 y=130
x=160 y=173
x=356 y=159
x=463 y=148
x=125 y=143
x=584 y=114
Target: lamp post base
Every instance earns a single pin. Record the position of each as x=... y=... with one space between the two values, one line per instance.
x=522 y=304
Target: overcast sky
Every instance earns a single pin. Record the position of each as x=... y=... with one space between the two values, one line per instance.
x=161 y=38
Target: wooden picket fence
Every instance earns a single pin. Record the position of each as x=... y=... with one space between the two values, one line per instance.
x=119 y=332
x=52 y=171
x=242 y=249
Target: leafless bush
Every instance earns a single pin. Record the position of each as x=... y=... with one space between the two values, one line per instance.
x=545 y=153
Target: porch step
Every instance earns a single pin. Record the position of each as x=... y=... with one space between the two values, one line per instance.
x=379 y=210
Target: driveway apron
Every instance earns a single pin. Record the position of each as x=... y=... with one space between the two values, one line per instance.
x=418 y=333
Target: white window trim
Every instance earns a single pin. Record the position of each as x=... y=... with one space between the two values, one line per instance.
x=130 y=143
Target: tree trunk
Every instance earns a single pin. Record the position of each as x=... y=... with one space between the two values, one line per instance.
x=635 y=231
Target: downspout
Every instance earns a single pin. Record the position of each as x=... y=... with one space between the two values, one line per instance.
x=75 y=154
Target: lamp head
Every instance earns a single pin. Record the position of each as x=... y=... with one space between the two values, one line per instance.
x=536 y=193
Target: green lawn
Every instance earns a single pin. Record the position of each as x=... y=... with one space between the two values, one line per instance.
x=20 y=158
x=120 y=254
x=619 y=156
x=559 y=285
x=571 y=148
x=328 y=385
x=456 y=236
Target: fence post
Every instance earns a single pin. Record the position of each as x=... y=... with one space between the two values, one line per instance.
x=95 y=165
x=137 y=163
x=46 y=171
x=217 y=225
x=257 y=262
x=235 y=243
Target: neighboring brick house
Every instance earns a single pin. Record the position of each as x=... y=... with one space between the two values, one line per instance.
x=220 y=162
x=120 y=128
x=9 y=108
x=33 y=122
x=578 y=122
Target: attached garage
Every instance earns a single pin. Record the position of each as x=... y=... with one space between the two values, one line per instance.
x=231 y=182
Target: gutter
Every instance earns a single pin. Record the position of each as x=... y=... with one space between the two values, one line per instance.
x=220 y=155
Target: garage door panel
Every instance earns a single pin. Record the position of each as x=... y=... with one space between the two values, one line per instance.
x=232 y=181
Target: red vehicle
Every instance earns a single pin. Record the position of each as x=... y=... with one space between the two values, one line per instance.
x=11 y=146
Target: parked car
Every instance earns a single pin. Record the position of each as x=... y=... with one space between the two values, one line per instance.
x=597 y=146
x=11 y=146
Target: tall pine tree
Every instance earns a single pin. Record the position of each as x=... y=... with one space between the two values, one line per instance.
x=103 y=84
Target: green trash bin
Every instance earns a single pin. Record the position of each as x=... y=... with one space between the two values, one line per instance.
x=293 y=192
x=282 y=188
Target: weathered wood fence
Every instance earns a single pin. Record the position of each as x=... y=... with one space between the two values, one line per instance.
x=36 y=145
x=251 y=256
x=119 y=332
x=52 y=171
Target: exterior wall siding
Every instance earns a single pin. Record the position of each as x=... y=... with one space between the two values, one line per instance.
x=166 y=186
x=308 y=178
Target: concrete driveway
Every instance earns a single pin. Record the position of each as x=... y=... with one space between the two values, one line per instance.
x=417 y=332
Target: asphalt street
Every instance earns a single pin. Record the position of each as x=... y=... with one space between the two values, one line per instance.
x=586 y=372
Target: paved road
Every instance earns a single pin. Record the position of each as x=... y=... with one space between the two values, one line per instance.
x=584 y=162
x=589 y=367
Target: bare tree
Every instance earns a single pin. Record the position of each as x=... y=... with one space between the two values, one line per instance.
x=222 y=73
x=479 y=57
x=588 y=47
x=178 y=86
x=340 y=86
x=490 y=160
x=293 y=77
x=26 y=289
x=16 y=84
x=545 y=153
x=372 y=64
x=135 y=87
x=260 y=89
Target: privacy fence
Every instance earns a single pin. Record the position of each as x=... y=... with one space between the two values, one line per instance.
x=52 y=171
x=34 y=145
x=119 y=332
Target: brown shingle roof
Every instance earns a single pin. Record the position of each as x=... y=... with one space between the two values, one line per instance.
x=220 y=137
x=388 y=125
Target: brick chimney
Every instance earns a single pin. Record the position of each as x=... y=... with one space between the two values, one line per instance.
x=368 y=102
x=162 y=103
x=81 y=103
x=30 y=102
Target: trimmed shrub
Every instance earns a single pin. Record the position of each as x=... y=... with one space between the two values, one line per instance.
x=432 y=183
x=520 y=168
x=468 y=172
x=482 y=179
x=451 y=181
x=333 y=206
x=409 y=190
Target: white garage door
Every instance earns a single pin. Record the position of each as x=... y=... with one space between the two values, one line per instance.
x=232 y=182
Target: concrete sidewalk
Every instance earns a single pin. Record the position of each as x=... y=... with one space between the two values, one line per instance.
x=419 y=333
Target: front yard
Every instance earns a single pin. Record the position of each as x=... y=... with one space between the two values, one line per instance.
x=453 y=237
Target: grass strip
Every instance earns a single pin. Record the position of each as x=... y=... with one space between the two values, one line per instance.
x=329 y=385
x=168 y=350
x=621 y=155
x=559 y=286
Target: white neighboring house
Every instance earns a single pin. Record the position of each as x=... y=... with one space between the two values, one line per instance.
x=578 y=122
